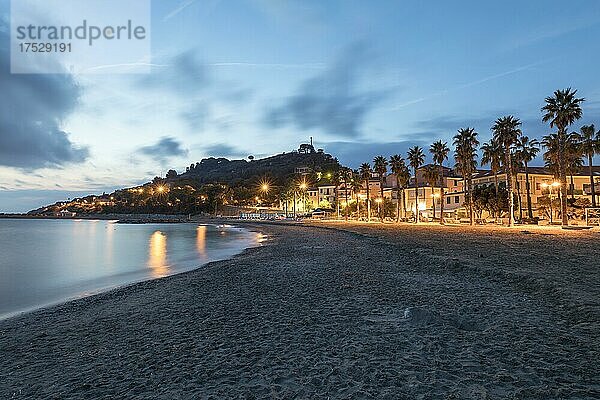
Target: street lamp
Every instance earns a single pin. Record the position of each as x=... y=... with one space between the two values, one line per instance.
x=549 y=187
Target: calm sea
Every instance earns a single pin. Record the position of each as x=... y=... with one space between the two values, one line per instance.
x=43 y=262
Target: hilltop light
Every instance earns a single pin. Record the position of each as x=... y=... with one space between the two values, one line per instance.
x=264 y=187
x=160 y=189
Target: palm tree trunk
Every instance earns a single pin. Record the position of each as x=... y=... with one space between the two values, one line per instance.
x=404 y=202
x=346 y=197
x=433 y=200
x=563 y=182
x=511 y=200
x=470 y=184
x=592 y=180
x=496 y=190
x=528 y=190
x=519 y=196
x=337 y=202
x=381 y=208
x=357 y=206
x=416 y=198
x=368 y=203
x=572 y=188
x=441 y=195
x=397 y=201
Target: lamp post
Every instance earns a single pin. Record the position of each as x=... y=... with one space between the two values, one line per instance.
x=549 y=186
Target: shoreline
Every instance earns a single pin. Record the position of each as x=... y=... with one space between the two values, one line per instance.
x=101 y=290
x=383 y=312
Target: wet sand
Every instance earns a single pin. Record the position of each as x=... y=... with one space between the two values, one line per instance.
x=333 y=311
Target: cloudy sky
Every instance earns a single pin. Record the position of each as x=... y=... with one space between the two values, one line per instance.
x=238 y=77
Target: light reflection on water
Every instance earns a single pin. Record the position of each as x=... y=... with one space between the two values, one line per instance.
x=157 y=261
x=49 y=261
x=201 y=240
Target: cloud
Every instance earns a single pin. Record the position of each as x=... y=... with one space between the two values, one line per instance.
x=184 y=75
x=165 y=148
x=32 y=109
x=331 y=101
x=223 y=150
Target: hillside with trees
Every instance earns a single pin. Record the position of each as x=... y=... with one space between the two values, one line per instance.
x=207 y=185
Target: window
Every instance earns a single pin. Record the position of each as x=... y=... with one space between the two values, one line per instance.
x=448 y=200
x=456 y=199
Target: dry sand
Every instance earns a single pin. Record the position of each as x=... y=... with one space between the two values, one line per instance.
x=380 y=312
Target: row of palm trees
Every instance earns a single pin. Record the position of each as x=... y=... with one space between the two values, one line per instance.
x=506 y=152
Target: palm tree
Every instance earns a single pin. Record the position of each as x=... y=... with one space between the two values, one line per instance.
x=589 y=140
x=416 y=158
x=397 y=165
x=492 y=155
x=440 y=151
x=380 y=164
x=365 y=174
x=431 y=176
x=527 y=150
x=465 y=157
x=506 y=133
x=562 y=110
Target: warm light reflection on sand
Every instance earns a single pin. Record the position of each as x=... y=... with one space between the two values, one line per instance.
x=201 y=240
x=157 y=261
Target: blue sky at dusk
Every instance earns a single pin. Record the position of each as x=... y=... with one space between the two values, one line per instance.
x=239 y=77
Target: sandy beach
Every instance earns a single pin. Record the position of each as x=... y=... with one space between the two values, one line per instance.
x=336 y=310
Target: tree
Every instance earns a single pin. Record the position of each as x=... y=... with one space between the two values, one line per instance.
x=365 y=173
x=398 y=165
x=416 y=158
x=465 y=158
x=589 y=140
x=171 y=174
x=439 y=150
x=527 y=150
x=562 y=110
x=380 y=164
x=492 y=155
x=506 y=133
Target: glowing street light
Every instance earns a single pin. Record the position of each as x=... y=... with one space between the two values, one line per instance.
x=265 y=187
x=545 y=185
